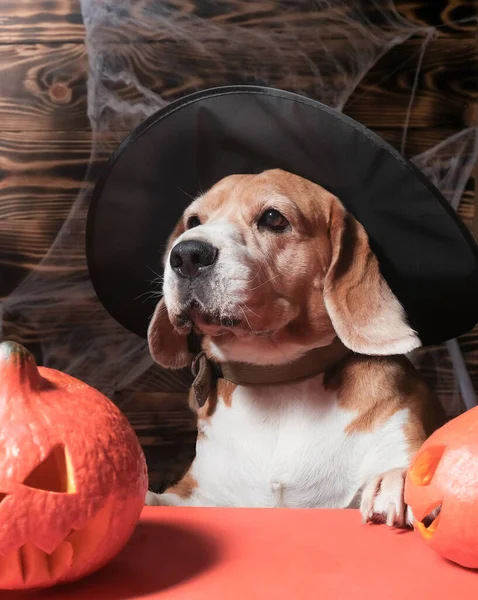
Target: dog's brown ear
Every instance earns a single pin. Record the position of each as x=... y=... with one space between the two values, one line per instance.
x=366 y=315
x=168 y=347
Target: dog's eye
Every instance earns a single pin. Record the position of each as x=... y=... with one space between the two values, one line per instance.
x=193 y=221
x=273 y=220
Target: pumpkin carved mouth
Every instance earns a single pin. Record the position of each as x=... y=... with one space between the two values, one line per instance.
x=427 y=527
x=30 y=564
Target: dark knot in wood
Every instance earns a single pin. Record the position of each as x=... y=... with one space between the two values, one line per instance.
x=60 y=93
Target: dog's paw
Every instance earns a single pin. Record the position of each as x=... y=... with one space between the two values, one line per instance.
x=165 y=499
x=382 y=500
x=152 y=499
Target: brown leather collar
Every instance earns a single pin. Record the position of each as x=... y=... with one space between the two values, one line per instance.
x=314 y=362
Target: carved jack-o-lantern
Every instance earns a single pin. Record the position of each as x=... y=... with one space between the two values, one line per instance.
x=443 y=479
x=72 y=475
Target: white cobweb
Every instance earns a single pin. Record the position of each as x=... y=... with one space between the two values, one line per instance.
x=185 y=48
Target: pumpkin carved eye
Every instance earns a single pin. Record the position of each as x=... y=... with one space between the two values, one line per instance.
x=424 y=466
x=54 y=473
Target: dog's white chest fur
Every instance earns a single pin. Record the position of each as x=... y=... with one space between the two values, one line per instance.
x=289 y=446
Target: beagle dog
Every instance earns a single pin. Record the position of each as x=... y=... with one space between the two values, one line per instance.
x=315 y=404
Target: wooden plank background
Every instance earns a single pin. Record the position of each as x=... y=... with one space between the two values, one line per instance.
x=45 y=144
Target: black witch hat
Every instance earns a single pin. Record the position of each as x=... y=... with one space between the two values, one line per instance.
x=426 y=254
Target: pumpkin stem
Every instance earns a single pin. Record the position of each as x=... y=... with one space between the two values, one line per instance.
x=17 y=366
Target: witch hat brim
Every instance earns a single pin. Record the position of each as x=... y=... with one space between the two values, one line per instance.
x=426 y=254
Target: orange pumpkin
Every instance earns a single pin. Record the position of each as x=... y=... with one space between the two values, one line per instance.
x=72 y=475
x=444 y=476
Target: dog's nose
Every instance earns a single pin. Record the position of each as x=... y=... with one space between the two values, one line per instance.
x=190 y=258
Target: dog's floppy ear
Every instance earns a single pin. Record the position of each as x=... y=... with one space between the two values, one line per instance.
x=168 y=347
x=365 y=314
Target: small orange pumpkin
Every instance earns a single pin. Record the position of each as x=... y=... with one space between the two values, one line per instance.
x=72 y=475
x=444 y=476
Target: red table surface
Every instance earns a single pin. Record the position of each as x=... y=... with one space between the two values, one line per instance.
x=249 y=554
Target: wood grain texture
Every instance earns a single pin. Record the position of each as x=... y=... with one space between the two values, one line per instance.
x=59 y=21
x=43 y=87
x=41 y=21
x=435 y=364
x=167 y=430
x=50 y=80
x=467 y=208
x=450 y=17
x=446 y=89
x=42 y=175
